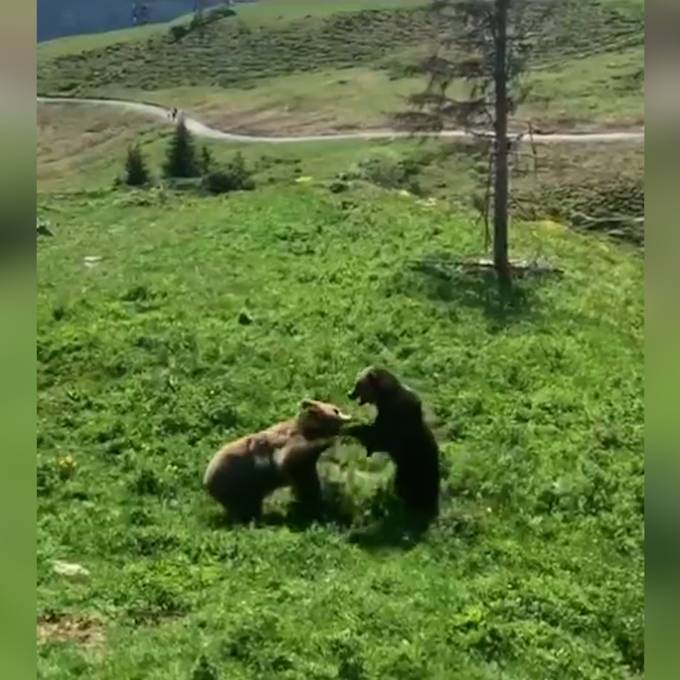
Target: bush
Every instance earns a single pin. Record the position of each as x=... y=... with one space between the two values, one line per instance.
x=206 y=160
x=219 y=13
x=387 y=173
x=136 y=174
x=337 y=186
x=181 y=156
x=233 y=177
x=178 y=32
x=200 y=20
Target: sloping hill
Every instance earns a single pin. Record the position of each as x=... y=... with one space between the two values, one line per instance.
x=343 y=256
x=297 y=67
x=537 y=564
x=232 y=52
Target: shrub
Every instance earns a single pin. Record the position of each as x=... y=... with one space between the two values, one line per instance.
x=200 y=20
x=136 y=174
x=206 y=160
x=220 y=13
x=387 y=173
x=337 y=186
x=233 y=177
x=181 y=156
x=179 y=31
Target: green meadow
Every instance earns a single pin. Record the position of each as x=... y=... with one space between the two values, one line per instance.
x=344 y=255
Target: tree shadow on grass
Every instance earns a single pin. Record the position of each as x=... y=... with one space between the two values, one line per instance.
x=442 y=279
x=380 y=524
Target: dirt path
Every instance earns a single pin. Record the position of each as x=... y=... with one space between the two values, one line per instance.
x=205 y=131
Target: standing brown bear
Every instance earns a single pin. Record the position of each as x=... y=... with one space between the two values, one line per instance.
x=400 y=431
x=243 y=472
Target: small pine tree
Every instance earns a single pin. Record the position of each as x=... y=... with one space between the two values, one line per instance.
x=206 y=160
x=136 y=174
x=181 y=156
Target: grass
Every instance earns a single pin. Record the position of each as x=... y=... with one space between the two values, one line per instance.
x=273 y=14
x=600 y=91
x=536 y=567
x=263 y=12
x=603 y=90
x=231 y=52
x=71 y=161
x=77 y=146
x=83 y=147
x=276 y=11
x=357 y=98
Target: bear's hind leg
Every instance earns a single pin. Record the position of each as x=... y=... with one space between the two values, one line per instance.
x=307 y=489
x=246 y=510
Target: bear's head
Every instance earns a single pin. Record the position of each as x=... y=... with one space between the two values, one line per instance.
x=321 y=419
x=374 y=386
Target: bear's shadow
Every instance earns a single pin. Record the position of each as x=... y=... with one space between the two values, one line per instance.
x=390 y=527
x=383 y=525
x=336 y=510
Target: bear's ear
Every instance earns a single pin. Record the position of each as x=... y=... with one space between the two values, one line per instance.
x=306 y=404
x=373 y=375
x=368 y=374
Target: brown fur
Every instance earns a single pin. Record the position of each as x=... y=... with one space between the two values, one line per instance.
x=243 y=472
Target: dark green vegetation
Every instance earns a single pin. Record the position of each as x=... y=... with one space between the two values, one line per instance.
x=136 y=173
x=536 y=567
x=233 y=176
x=184 y=169
x=181 y=30
x=232 y=52
x=181 y=158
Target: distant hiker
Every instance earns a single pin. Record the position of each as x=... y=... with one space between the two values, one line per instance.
x=173 y=113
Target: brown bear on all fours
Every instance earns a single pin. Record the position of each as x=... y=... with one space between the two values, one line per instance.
x=242 y=473
x=400 y=430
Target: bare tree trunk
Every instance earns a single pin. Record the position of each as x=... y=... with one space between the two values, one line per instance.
x=501 y=177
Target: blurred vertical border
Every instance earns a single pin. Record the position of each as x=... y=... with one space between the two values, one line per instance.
x=662 y=469
x=17 y=338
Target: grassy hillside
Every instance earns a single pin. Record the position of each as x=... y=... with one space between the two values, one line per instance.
x=233 y=52
x=596 y=92
x=536 y=567
x=83 y=147
x=262 y=12
x=341 y=258
x=299 y=67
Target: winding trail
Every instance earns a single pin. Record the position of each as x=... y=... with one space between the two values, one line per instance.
x=202 y=130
